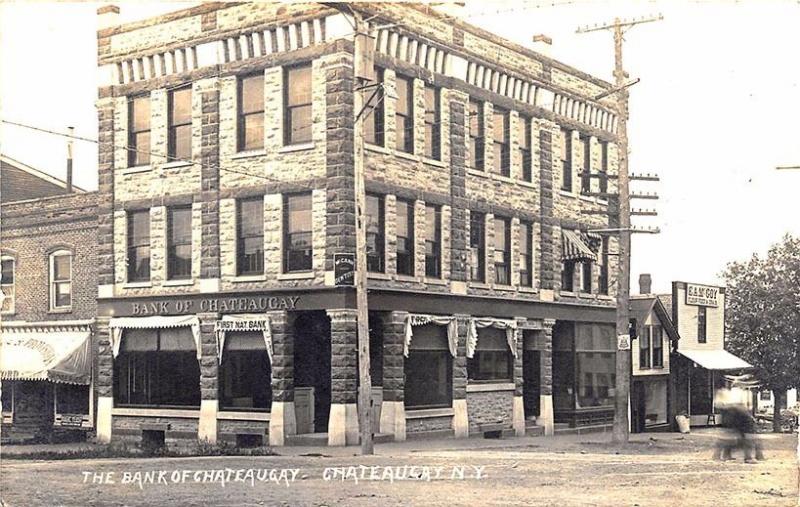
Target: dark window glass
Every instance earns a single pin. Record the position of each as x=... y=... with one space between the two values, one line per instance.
x=61 y=280
x=405 y=237
x=595 y=365
x=604 y=168
x=500 y=142
x=250 y=237
x=179 y=244
x=525 y=148
x=492 y=360
x=374 y=126
x=567 y=276
x=404 y=115
x=139 y=131
x=586 y=277
x=157 y=367
x=428 y=369
x=586 y=179
x=433 y=241
x=139 y=246
x=477 y=246
x=603 y=278
x=525 y=254
x=375 y=233
x=7 y=285
x=658 y=347
x=502 y=251
x=245 y=373
x=180 y=124
x=566 y=160
x=250 y=117
x=476 y=139
x=72 y=399
x=701 y=324
x=432 y=123
x=644 y=348
x=297 y=105
x=297 y=235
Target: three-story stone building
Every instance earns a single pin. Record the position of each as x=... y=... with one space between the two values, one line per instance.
x=226 y=178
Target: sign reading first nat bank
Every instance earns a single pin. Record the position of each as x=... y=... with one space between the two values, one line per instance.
x=702 y=295
x=242 y=304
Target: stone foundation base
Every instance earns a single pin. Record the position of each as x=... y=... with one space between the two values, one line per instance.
x=518 y=419
x=393 y=419
x=460 y=419
x=104 y=406
x=207 y=429
x=546 y=418
x=343 y=424
x=281 y=422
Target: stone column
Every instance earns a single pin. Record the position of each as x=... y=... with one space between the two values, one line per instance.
x=549 y=249
x=518 y=417
x=460 y=415
x=343 y=420
x=209 y=379
x=546 y=417
x=104 y=381
x=209 y=193
x=458 y=213
x=393 y=411
x=282 y=421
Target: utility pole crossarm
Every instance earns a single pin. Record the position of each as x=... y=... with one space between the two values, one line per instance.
x=619 y=23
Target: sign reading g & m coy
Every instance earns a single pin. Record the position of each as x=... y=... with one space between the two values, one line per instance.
x=701 y=295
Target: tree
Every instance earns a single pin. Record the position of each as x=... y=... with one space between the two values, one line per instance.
x=762 y=316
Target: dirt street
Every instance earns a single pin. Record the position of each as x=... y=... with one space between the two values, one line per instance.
x=581 y=470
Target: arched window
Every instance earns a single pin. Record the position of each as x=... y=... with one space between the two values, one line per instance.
x=61 y=280
x=7 y=284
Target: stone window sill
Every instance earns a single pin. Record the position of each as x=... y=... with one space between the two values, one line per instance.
x=249 y=278
x=605 y=297
x=406 y=278
x=248 y=154
x=407 y=156
x=176 y=164
x=177 y=283
x=485 y=387
x=478 y=172
x=306 y=275
x=242 y=416
x=569 y=293
x=434 y=162
x=378 y=276
x=429 y=412
x=528 y=290
x=60 y=310
x=479 y=285
x=135 y=169
x=157 y=412
x=435 y=281
x=297 y=147
x=137 y=285
x=377 y=148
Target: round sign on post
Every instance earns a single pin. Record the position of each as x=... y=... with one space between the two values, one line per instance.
x=623 y=342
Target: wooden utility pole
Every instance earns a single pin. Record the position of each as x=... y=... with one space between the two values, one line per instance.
x=621 y=427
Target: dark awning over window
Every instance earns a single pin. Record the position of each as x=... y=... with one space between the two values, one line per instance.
x=58 y=355
x=574 y=248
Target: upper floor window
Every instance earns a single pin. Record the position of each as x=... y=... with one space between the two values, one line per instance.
x=179 y=243
x=500 y=142
x=476 y=140
x=644 y=348
x=433 y=129
x=701 y=324
x=404 y=115
x=568 y=276
x=297 y=105
x=250 y=114
x=179 y=143
x=139 y=246
x=602 y=286
x=586 y=276
x=433 y=241
x=525 y=254
x=502 y=251
x=375 y=233
x=604 y=168
x=405 y=237
x=566 y=160
x=297 y=248
x=658 y=346
x=586 y=178
x=524 y=131
x=61 y=280
x=139 y=131
x=7 y=279
x=651 y=349
x=374 y=124
x=477 y=246
x=250 y=237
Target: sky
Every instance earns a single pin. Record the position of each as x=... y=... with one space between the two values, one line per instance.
x=715 y=112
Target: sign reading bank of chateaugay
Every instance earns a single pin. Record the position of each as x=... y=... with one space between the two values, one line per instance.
x=249 y=304
x=701 y=295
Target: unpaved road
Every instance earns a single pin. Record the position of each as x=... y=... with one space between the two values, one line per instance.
x=668 y=471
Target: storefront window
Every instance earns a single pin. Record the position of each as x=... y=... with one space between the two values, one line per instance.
x=563 y=366
x=245 y=374
x=72 y=399
x=655 y=402
x=595 y=365
x=157 y=367
x=429 y=369
x=492 y=361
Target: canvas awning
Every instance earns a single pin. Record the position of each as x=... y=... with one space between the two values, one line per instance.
x=574 y=248
x=117 y=325
x=715 y=359
x=59 y=355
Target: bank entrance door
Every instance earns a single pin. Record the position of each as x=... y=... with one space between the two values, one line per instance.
x=531 y=375
x=312 y=371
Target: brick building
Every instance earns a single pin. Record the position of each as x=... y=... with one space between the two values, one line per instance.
x=49 y=286
x=491 y=305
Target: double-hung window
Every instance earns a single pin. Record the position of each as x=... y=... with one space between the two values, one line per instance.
x=502 y=251
x=658 y=346
x=566 y=160
x=61 y=280
x=586 y=179
x=644 y=348
x=179 y=243
x=139 y=246
x=375 y=233
x=604 y=168
x=405 y=237
x=476 y=135
x=500 y=142
x=602 y=286
x=250 y=114
x=524 y=132
x=477 y=246
x=250 y=237
x=297 y=105
x=139 y=131
x=568 y=275
x=433 y=143
x=179 y=142
x=525 y=254
x=404 y=114
x=586 y=276
x=701 y=324
x=297 y=253
x=7 y=278
x=433 y=241
x=374 y=122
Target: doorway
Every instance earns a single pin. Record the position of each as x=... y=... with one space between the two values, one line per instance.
x=531 y=382
x=638 y=407
x=312 y=371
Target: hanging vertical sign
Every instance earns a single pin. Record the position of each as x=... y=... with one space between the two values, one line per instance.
x=344 y=269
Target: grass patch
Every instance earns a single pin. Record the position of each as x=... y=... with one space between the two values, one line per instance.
x=123 y=450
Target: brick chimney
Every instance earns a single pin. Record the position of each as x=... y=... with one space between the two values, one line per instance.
x=645 y=283
x=107 y=16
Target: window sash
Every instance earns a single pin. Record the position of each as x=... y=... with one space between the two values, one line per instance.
x=491 y=366
x=7 y=284
x=404 y=115
x=500 y=126
x=476 y=135
x=297 y=233
x=586 y=181
x=477 y=242
x=658 y=347
x=502 y=251
x=250 y=237
x=375 y=227
x=567 y=276
x=701 y=324
x=250 y=114
x=157 y=379
x=525 y=148
x=297 y=105
x=244 y=380
x=405 y=237
x=374 y=126
x=138 y=246
x=179 y=244
x=525 y=254
x=60 y=280
x=429 y=379
x=644 y=348
x=566 y=160
x=586 y=276
x=139 y=131
x=604 y=167
x=432 y=123
x=433 y=232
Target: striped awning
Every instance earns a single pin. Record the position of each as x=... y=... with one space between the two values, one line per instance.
x=60 y=354
x=574 y=248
